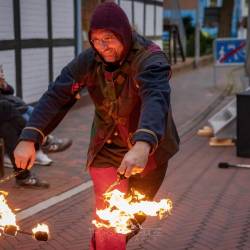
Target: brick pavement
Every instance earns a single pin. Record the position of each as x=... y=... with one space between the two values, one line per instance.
x=216 y=219
x=211 y=205
x=211 y=208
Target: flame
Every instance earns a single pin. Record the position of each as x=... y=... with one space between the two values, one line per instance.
x=7 y=217
x=4 y=193
x=121 y=210
x=40 y=228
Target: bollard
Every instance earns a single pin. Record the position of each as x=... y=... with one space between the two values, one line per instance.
x=1 y=157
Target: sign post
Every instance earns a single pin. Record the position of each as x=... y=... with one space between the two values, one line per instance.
x=229 y=52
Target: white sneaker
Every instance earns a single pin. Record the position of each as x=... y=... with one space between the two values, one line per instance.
x=7 y=162
x=42 y=159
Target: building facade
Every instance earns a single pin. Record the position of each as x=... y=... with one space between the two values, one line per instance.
x=37 y=37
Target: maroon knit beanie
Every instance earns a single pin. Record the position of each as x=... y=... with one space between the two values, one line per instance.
x=110 y=16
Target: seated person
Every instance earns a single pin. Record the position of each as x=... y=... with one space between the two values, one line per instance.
x=51 y=143
x=11 y=125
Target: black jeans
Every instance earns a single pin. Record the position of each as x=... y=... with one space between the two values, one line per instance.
x=148 y=184
x=11 y=125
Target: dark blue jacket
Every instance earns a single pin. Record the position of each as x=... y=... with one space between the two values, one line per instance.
x=143 y=103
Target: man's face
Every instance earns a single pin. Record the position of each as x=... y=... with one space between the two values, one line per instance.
x=107 y=45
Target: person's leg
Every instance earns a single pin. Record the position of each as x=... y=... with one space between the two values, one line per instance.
x=52 y=144
x=11 y=125
x=10 y=132
x=106 y=239
x=150 y=183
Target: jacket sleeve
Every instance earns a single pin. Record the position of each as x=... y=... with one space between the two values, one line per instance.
x=154 y=90
x=55 y=102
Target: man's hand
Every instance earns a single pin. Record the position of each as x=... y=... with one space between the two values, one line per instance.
x=135 y=159
x=25 y=154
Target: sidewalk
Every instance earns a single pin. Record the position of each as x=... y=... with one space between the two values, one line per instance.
x=211 y=206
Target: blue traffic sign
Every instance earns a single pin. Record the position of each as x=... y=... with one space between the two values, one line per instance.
x=230 y=51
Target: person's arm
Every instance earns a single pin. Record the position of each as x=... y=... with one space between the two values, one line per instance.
x=57 y=100
x=50 y=109
x=154 y=91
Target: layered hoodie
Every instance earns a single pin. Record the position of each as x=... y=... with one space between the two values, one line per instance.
x=110 y=16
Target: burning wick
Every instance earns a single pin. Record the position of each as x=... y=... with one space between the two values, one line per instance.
x=41 y=232
x=7 y=217
x=38 y=235
x=8 y=222
x=120 y=212
x=10 y=230
x=41 y=236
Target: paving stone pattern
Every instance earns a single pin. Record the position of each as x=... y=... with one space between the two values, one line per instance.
x=211 y=206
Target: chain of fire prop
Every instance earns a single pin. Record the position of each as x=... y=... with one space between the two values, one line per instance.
x=8 y=224
x=121 y=210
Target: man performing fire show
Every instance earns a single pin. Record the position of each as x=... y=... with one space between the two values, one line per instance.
x=133 y=134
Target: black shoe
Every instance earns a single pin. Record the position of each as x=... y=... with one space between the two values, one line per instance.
x=32 y=182
x=53 y=144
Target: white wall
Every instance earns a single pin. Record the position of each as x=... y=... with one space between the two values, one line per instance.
x=35 y=71
x=6 y=20
x=138 y=18
x=61 y=57
x=7 y=59
x=159 y=20
x=127 y=7
x=63 y=27
x=149 y=20
x=33 y=19
x=62 y=19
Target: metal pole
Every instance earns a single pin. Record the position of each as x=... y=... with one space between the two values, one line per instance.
x=197 y=35
x=78 y=27
x=247 y=64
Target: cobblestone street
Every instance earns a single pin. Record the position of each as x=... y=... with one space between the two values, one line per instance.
x=211 y=206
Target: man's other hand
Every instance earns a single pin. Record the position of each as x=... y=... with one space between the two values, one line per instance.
x=135 y=159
